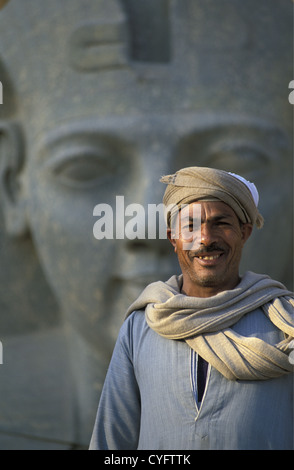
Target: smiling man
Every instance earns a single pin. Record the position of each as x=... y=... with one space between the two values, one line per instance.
x=214 y=264
x=202 y=360
x=207 y=233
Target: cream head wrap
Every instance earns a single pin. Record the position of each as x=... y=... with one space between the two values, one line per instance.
x=207 y=184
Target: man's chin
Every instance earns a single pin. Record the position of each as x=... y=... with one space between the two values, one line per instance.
x=210 y=281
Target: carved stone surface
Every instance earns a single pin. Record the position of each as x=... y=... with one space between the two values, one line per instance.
x=101 y=99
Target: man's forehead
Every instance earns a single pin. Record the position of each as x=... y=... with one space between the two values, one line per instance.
x=206 y=209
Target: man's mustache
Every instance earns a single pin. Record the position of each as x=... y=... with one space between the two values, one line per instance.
x=203 y=250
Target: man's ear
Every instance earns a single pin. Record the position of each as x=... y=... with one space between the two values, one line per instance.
x=11 y=187
x=246 y=230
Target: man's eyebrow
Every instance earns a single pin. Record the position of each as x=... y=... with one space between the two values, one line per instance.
x=213 y=218
x=217 y=218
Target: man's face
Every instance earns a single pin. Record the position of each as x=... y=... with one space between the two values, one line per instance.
x=209 y=250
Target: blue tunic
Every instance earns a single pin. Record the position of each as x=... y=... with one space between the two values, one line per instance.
x=149 y=399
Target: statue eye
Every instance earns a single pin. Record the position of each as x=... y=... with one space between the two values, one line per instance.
x=245 y=159
x=81 y=167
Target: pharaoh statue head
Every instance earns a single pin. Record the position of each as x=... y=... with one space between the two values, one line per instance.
x=102 y=99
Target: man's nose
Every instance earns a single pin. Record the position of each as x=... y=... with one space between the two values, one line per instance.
x=208 y=235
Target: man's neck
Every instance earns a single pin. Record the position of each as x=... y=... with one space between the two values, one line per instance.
x=196 y=290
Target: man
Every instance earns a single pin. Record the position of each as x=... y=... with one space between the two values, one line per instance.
x=109 y=94
x=201 y=362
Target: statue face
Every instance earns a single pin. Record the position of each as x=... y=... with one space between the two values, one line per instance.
x=96 y=131
x=103 y=114
x=77 y=165
x=71 y=169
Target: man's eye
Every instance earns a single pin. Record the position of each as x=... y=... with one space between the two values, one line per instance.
x=188 y=228
x=222 y=223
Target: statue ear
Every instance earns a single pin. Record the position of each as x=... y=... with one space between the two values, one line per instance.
x=13 y=199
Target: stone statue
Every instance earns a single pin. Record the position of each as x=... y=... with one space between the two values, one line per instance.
x=2 y=3
x=99 y=99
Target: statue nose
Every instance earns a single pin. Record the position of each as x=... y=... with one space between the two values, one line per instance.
x=145 y=223
x=149 y=210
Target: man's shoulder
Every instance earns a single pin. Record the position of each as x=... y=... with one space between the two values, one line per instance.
x=250 y=277
x=134 y=332
x=134 y=323
x=257 y=324
x=136 y=316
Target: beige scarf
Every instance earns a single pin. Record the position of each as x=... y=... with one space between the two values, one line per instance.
x=204 y=323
